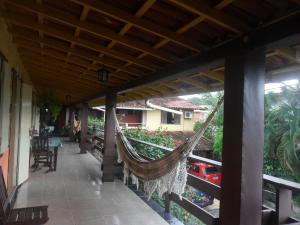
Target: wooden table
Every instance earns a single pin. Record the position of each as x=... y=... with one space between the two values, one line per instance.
x=55 y=143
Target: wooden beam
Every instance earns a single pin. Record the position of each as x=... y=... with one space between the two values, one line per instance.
x=194 y=83
x=110 y=152
x=145 y=7
x=296 y=1
x=214 y=75
x=22 y=39
x=36 y=58
x=46 y=75
x=84 y=128
x=31 y=24
x=285 y=32
x=142 y=24
x=243 y=142
x=26 y=50
x=194 y=22
x=97 y=30
x=203 y=9
x=290 y=53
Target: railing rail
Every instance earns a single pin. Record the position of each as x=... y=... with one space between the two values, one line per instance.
x=284 y=190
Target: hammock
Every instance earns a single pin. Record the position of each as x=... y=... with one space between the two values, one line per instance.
x=167 y=174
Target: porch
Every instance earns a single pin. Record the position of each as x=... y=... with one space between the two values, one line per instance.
x=76 y=195
x=88 y=53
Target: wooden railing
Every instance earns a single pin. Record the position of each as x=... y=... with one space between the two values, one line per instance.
x=284 y=190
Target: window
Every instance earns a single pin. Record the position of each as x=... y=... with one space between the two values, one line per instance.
x=170 y=118
x=196 y=169
x=188 y=115
x=211 y=170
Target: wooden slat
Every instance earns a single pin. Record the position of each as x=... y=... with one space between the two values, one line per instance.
x=198 y=212
x=97 y=30
x=194 y=83
x=204 y=186
x=144 y=8
x=281 y=183
x=46 y=59
x=142 y=24
x=31 y=51
x=194 y=22
x=203 y=9
x=28 y=23
x=21 y=39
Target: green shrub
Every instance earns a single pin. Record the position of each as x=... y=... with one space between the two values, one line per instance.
x=158 y=137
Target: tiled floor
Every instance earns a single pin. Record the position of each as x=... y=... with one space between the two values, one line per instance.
x=76 y=196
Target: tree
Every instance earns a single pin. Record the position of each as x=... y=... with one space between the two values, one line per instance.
x=282 y=133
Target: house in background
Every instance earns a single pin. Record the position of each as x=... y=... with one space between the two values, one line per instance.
x=172 y=114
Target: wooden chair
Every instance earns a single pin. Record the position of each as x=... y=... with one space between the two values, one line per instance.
x=40 y=151
x=20 y=216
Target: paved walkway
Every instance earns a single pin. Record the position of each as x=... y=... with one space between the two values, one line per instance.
x=76 y=196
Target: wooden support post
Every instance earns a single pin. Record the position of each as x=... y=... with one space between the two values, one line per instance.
x=110 y=153
x=167 y=202
x=241 y=194
x=84 y=128
x=283 y=205
x=72 y=117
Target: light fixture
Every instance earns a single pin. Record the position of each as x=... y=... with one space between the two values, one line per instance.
x=103 y=75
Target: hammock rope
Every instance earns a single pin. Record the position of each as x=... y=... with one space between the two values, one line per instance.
x=167 y=174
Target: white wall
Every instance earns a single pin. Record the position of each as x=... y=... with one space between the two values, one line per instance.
x=5 y=106
x=24 y=133
x=17 y=134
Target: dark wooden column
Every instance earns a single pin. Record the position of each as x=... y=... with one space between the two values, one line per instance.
x=110 y=153
x=72 y=117
x=84 y=128
x=241 y=196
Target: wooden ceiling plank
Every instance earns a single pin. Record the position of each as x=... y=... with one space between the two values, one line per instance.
x=142 y=24
x=25 y=38
x=67 y=37
x=214 y=75
x=33 y=67
x=289 y=53
x=47 y=63
x=45 y=74
x=203 y=9
x=188 y=26
x=60 y=56
x=144 y=8
x=194 y=83
x=296 y=1
x=59 y=16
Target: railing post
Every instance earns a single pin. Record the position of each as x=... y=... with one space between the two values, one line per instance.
x=283 y=205
x=84 y=128
x=167 y=202
x=71 y=134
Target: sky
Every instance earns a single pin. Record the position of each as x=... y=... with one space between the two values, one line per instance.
x=270 y=87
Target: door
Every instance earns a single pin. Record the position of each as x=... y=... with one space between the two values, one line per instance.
x=25 y=125
x=12 y=129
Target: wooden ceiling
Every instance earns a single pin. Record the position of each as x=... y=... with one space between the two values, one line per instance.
x=63 y=43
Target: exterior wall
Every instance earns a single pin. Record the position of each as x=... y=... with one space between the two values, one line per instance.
x=153 y=121
x=132 y=120
x=9 y=50
x=24 y=133
x=10 y=53
x=4 y=164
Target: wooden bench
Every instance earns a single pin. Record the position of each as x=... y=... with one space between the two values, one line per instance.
x=20 y=216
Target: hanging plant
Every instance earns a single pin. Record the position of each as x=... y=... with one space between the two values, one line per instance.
x=50 y=107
